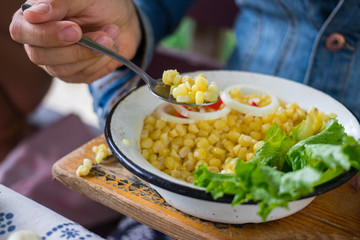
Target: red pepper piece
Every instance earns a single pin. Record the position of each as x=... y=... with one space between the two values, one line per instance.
x=253 y=104
x=216 y=105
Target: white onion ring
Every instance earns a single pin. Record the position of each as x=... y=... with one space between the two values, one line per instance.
x=201 y=116
x=162 y=113
x=247 y=109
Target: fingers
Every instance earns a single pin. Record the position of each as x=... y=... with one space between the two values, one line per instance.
x=76 y=63
x=47 y=23
x=86 y=72
x=67 y=54
x=51 y=10
x=49 y=34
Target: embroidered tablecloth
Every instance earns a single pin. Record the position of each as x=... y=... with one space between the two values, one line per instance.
x=20 y=213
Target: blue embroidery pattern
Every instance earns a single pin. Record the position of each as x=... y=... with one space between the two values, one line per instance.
x=68 y=231
x=6 y=223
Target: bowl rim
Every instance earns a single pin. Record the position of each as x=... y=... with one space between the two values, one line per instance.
x=198 y=192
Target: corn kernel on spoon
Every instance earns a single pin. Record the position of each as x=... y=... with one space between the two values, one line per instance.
x=156 y=87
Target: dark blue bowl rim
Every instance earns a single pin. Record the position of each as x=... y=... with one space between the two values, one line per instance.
x=193 y=192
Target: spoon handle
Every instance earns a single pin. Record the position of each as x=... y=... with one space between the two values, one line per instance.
x=84 y=41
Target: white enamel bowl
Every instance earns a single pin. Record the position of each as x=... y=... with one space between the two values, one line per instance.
x=126 y=119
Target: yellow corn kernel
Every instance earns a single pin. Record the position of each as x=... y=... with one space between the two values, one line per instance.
x=242 y=153
x=203 y=133
x=155 y=135
x=256 y=124
x=249 y=156
x=150 y=120
x=201 y=84
x=198 y=76
x=173 y=133
x=87 y=162
x=182 y=98
x=213 y=169
x=203 y=143
x=204 y=125
x=184 y=151
x=228 y=145
x=153 y=157
x=199 y=97
x=185 y=174
x=245 y=140
x=168 y=76
x=265 y=127
x=126 y=142
x=189 y=143
x=190 y=179
x=213 y=138
x=177 y=80
x=102 y=147
x=193 y=128
x=94 y=149
x=220 y=124
x=160 y=124
x=214 y=88
x=210 y=96
x=178 y=141
x=144 y=134
x=164 y=152
x=164 y=138
x=175 y=173
x=158 y=165
x=215 y=162
x=191 y=96
x=233 y=136
x=200 y=153
x=180 y=90
x=256 y=135
x=181 y=129
x=82 y=171
x=217 y=151
x=200 y=162
x=146 y=142
x=158 y=144
x=169 y=163
x=100 y=155
x=257 y=145
x=174 y=154
x=189 y=165
x=145 y=153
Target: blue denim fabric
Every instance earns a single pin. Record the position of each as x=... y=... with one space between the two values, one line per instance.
x=285 y=38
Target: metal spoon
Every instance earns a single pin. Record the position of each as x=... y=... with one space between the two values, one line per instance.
x=156 y=87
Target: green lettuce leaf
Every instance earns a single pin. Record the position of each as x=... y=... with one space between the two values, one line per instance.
x=285 y=167
x=332 y=134
x=273 y=152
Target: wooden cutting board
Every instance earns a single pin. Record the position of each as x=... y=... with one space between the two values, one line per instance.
x=333 y=215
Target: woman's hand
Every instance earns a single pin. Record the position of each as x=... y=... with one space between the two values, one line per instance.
x=49 y=30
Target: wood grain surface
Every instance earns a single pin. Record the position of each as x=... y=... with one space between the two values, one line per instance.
x=333 y=215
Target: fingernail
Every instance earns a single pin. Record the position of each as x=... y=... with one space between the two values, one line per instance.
x=69 y=34
x=104 y=41
x=112 y=30
x=40 y=8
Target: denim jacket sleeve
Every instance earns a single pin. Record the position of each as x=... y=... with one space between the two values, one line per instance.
x=165 y=15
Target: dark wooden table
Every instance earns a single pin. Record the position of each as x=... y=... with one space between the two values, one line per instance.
x=333 y=215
